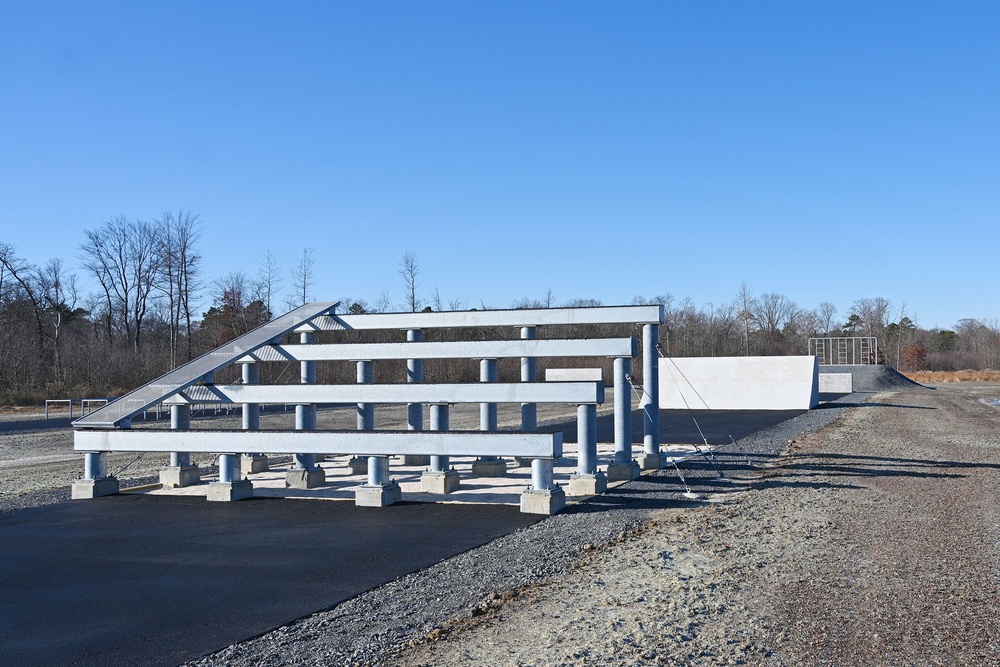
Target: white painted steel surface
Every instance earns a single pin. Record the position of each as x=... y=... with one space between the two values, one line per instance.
x=739 y=383
x=493 y=349
x=377 y=443
x=521 y=392
x=574 y=374
x=492 y=318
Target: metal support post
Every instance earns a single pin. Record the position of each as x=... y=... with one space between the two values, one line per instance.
x=180 y=472
x=415 y=411
x=623 y=467
x=439 y=479
x=306 y=474
x=95 y=481
x=231 y=485
x=488 y=466
x=529 y=373
x=588 y=480
x=365 y=415
x=257 y=462
x=543 y=496
x=650 y=402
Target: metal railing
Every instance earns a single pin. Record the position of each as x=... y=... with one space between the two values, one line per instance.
x=845 y=351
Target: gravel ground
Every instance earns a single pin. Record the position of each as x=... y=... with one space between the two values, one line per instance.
x=872 y=540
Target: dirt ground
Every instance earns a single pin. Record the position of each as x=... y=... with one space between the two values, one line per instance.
x=875 y=541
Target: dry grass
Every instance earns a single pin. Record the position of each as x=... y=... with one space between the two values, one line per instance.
x=938 y=377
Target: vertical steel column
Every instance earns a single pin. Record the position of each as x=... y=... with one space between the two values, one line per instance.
x=623 y=411
x=229 y=471
x=488 y=411
x=180 y=419
x=378 y=470
x=414 y=373
x=439 y=422
x=366 y=411
x=251 y=411
x=529 y=373
x=305 y=415
x=586 y=439
x=541 y=474
x=651 y=390
x=95 y=465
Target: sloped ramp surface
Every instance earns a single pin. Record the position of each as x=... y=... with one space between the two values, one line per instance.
x=167 y=385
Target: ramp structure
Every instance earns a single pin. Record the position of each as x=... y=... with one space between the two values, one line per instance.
x=109 y=429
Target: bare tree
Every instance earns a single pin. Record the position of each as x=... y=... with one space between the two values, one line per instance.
x=268 y=280
x=744 y=304
x=383 y=304
x=179 y=274
x=303 y=279
x=409 y=270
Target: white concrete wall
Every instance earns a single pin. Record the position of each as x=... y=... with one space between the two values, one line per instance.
x=739 y=383
x=836 y=383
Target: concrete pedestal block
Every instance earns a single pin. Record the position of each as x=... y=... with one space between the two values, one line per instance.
x=229 y=491
x=496 y=468
x=439 y=482
x=618 y=472
x=588 y=485
x=543 y=502
x=378 y=496
x=525 y=463
x=651 y=461
x=416 y=460
x=305 y=479
x=93 y=488
x=250 y=465
x=180 y=476
x=358 y=465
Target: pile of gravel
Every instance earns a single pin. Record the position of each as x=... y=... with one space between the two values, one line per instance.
x=869 y=378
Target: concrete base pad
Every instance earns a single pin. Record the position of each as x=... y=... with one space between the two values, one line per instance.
x=524 y=463
x=618 y=472
x=305 y=479
x=416 y=460
x=180 y=476
x=439 y=482
x=651 y=461
x=496 y=468
x=251 y=465
x=543 y=502
x=588 y=485
x=358 y=465
x=229 y=491
x=93 y=488
x=378 y=496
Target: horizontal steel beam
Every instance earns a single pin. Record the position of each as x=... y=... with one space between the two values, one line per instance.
x=276 y=394
x=359 y=443
x=491 y=349
x=490 y=318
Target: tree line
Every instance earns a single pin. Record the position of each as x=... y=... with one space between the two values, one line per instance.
x=155 y=306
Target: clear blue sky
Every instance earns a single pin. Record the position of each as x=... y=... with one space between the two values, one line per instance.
x=827 y=151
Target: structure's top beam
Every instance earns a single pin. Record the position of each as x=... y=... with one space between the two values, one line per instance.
x=150 y=394
x=490 y=318
x=487 y=392
x=491 y=349
x=359 y=443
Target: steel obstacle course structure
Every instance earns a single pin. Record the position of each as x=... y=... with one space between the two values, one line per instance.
x=109 y=428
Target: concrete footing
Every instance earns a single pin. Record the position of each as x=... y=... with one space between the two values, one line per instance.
x=251 y=464
x=93 y=488
x=416 y=460
x=439 y=482
x=546 y=502
x=305 y=479
x=494 y=468
x=358 y=465
x=378 y=496
x=651 y=461
x=588 y=485
x=180 y=476
x=618 y=472
x=229 y=491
